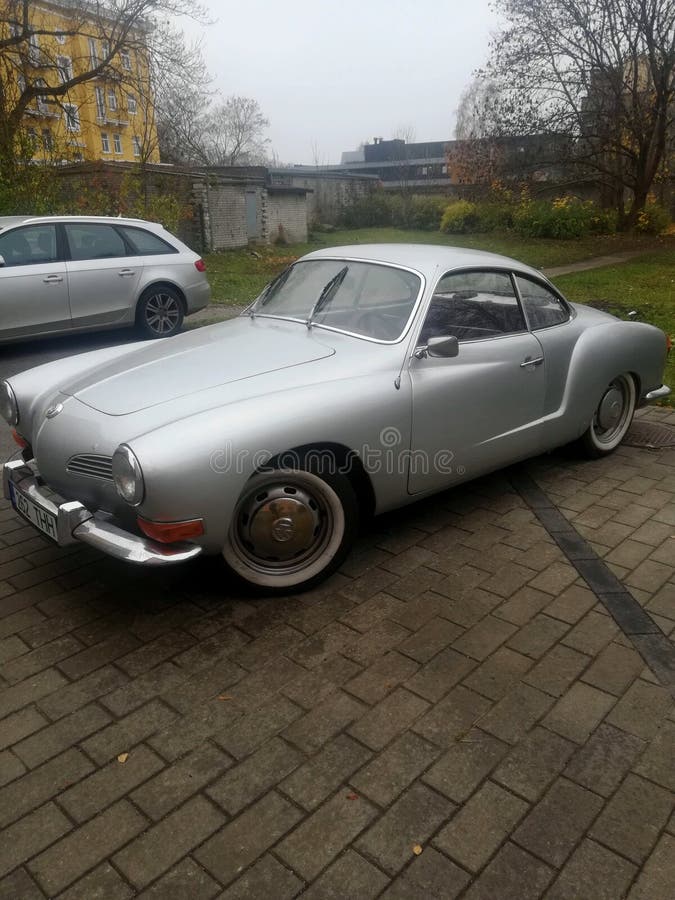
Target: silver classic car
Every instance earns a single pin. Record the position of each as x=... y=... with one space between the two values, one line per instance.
x=361 y=379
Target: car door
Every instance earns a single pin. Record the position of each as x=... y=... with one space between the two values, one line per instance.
x=480 y=409
x=102 y=278
x=33 y=284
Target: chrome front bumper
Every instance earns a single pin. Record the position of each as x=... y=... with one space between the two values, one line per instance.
x=657 y=393
x=75 y=523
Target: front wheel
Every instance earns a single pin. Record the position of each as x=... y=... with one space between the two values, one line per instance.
x=291 y=529
x=612 y=418
x=160 y=312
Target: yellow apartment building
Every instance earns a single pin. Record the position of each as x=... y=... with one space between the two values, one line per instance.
x=107 y=117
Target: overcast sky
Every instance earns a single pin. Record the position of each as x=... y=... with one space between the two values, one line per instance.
x=338 y=73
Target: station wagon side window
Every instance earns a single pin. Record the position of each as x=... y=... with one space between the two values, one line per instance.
x=145 y=243
x=94 y=241
x=27 y=246
x=473 y=306
x=543 y=308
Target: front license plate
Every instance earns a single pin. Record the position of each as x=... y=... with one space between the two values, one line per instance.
x=35 y=514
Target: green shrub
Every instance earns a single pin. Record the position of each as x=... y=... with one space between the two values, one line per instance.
x=653 y=219
x=460 y=217
x=564 y=218
x=426 y=212
x=374 y=210
x=494 y=216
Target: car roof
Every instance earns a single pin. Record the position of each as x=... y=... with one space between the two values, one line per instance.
x=423 y=257
x=7 y=221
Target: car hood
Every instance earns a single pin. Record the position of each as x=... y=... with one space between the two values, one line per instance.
x=193 y=362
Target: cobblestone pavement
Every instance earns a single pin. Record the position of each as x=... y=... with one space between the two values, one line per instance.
x=453 y=714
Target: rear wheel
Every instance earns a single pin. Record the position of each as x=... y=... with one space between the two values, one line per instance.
x=291 y=529
x=160 y=312
x=611 y=419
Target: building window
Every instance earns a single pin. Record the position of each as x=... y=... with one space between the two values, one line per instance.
x=100 y=103
x=47 y=140
x=64 y=64
x=93 y=54
x=34 y=53
x=112 y=100
x=60 y=37
x=105 y=142
x=14 y=30
x=72 y=116
x=137 y=145
x=131 y=104
x=32 y=137
x=126 y=60
x=21 y=82
x=105 y=50
x=41 y=102
x=117 y=143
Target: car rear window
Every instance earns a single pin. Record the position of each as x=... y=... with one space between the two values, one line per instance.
x=145 y=243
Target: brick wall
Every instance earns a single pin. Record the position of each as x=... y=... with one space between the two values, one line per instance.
x=286 y=217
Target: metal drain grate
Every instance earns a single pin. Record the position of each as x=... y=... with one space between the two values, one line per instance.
x=651 y=435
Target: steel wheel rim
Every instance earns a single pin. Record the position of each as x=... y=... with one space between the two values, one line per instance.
x=613 y=414
x=162 y=312
x=284 y=526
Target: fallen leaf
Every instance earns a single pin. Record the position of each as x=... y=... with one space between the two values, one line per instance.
x=417 y=849
x=352 y=796
x=123 y=757
x=224 y=697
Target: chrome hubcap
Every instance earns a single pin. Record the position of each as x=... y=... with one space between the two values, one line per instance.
x=610 y=409
x=162 y=313
x=281 y=526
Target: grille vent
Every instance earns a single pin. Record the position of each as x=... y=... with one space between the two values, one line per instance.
x=91 y=464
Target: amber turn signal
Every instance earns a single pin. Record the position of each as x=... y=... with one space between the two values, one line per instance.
x=18 y=439
x=169 y=532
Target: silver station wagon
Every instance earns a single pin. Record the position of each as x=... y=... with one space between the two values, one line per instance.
x=69 y=274
x=361 y=379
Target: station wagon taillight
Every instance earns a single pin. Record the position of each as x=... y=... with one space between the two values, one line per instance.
x=200 y=265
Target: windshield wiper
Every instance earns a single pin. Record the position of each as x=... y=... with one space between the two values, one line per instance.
x=327 y=294
x=266 y=293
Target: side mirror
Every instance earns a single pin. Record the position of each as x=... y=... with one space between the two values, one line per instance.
x=438 y=346
x=2 y=261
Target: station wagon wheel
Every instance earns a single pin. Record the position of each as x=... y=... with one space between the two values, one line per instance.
x=160 y=312
x=612 y=418
x=291 y=528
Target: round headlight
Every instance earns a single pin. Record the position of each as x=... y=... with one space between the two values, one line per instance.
x=9 y=409
x=127 y=475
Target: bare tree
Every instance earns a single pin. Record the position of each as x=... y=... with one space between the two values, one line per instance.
x=476 y=116
x=599 y=71
x=234 y=133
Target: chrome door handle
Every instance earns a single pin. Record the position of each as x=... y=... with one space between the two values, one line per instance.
x=52 y=279
x=531 y=362
x=124 y=272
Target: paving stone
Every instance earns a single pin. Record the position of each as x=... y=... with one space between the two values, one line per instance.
x=19 y=886
x=389 y=773
x=390 y=717
x=516 y=713
x=161 y=846
x=104 y=883
x=632 y=820
x=513 y=874
x=63 y=734
x=160 y=680
x=430 y=640
x=465 y=765
x=453 y=717
x=558 y=821
x=614 y=669
x=244 y=839
x=592 y=633
x=417 y=611
x=410 y=821
x=322 y=645
x=323 y=722
x=641 y=709
x=431 y=875
x=267 y=878
x=349 y=876
x=593 y=871
x=379 y=679
x=498 y=673
x=187 y=879
x=86 y=847
x=67 y=698
x=31 y=690
x=315 y=686
x=10 y=767
x=579 y=712
x=37 y=660
x=604 y=760
x=538 y=636
x=325 y=834
x=657 y=878
x=572 y=604
x=523 y=605
x=128 y=731
x=484 y=638
x=253 y=729
x=558 y=669
x=19 y=724
x=534 y=762
x=262 y=685
x=437 y=677
x=256 y=774
x=658 y=761
x=95 y=657
x=480 y=826
x=331 y=767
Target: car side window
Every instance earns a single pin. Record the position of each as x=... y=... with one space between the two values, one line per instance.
x=31 y=245
x=542 y=307
x=472 y=306
x=94 y=241
x=145 y=243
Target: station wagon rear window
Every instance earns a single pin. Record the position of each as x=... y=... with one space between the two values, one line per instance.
x=362 y=298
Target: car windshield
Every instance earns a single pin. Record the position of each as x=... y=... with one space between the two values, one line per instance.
x=363 y=298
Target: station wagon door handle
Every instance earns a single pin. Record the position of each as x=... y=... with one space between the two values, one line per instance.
x=52 y=279
x=531 y=362
x=124 y=272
